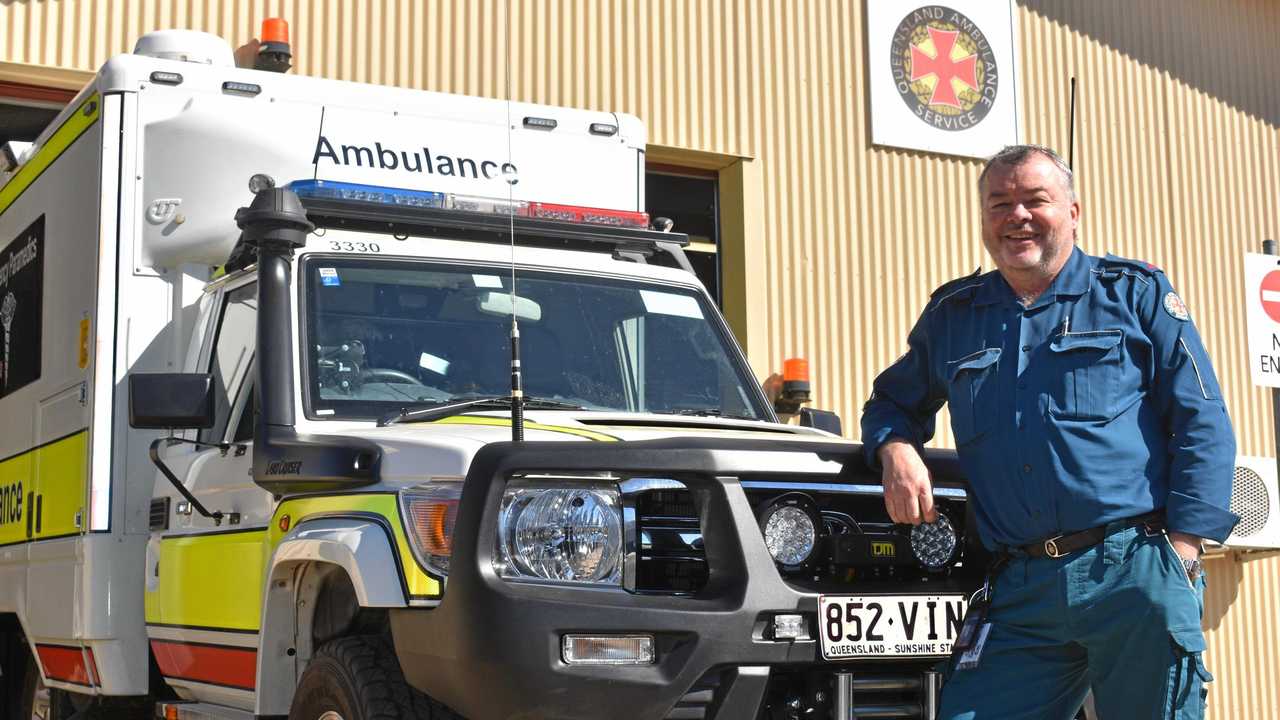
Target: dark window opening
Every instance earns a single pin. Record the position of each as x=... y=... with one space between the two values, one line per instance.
x=26 y=110
x=689 y=198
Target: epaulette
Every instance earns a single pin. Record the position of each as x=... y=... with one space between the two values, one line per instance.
x=1115 y=266
x=960 y=287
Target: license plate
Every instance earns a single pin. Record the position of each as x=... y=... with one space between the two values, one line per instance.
x=863 y=626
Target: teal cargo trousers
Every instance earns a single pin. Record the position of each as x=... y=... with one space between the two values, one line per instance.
x=1120 y=617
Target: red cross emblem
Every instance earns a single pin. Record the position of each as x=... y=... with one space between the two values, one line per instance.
x=942 y=67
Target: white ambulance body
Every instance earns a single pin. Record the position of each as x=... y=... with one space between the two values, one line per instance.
x=110 y=232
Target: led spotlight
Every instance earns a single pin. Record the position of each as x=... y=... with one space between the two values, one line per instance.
x=259 y=182
x=934 y=543
x=790 y=525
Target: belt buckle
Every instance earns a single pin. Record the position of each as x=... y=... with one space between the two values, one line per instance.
x=1051 y=547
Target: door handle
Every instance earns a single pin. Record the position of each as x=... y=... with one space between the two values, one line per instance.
x=31 y=505
x=39 y=511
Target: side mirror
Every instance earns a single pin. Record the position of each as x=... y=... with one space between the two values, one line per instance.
x=170 y=400
x=822 y=420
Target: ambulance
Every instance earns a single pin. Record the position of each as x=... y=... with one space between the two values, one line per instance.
x=331 y=401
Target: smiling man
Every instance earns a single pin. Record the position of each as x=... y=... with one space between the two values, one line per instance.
x=1099 y=453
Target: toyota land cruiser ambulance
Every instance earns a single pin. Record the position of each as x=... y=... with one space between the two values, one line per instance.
x=259 y=454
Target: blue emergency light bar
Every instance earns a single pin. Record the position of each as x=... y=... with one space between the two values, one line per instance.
x=404 y=197
x=332 y=190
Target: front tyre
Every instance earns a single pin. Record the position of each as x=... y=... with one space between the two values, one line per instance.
x=358 y=678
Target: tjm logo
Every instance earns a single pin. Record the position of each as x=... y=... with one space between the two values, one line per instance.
x=882 y=549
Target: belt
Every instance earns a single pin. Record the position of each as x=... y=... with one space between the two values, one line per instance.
x=1059 y=545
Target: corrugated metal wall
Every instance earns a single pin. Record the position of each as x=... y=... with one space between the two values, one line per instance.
x=1177 y=152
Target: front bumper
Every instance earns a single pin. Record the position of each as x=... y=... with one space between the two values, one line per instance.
x=492 y=648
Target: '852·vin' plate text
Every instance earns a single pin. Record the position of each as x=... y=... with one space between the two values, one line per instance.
x=865 y=626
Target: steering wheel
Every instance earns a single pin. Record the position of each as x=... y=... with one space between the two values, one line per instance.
x=388 y=375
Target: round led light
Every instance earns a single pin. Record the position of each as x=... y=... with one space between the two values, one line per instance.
x=790 y=531
x=934 y=543
x=570 y=534
x=259 y=182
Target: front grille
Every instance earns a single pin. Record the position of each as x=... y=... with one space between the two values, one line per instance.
x=670 y=554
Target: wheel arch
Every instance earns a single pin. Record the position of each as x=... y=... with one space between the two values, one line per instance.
x=329 y=574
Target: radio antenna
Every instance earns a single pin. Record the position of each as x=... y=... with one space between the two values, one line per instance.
x=509 y=174
x=1071 y=127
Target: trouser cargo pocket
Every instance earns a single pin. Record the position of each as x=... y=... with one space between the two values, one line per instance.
x=1188 y=676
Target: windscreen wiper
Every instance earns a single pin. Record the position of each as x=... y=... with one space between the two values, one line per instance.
x=436 y=412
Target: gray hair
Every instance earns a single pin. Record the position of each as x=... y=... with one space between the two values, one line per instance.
x=1015 y=155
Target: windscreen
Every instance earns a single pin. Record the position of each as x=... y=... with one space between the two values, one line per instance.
x=383 y=336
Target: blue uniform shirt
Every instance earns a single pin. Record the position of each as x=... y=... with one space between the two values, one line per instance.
x=1095 y=403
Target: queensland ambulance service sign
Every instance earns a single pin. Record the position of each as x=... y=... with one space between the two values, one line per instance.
x=1262 y=311
x=943 y=75
x=21 y=303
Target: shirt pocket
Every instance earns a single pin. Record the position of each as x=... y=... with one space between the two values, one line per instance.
x=971 y=394
x=1085 y=379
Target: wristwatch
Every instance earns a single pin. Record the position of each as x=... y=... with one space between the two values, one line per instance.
x=1193 y=568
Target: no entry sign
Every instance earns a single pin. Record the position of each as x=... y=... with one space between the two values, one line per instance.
x=1269 y=293
x=1262 y=310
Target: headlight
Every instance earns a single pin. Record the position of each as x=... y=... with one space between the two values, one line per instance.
x=790 y=525
x=558 y=532
x=429 y=512
x=934 y=543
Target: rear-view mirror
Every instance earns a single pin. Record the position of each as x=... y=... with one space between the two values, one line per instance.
x=500 y=303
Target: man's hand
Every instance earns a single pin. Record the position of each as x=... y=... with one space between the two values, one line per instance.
x=908 y=490
x=1187 y=546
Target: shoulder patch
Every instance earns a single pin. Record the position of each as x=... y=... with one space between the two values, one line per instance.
x=1118 y=263
x=1175 y=307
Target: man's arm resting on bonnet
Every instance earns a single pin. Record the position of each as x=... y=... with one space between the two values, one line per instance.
x=898 y=418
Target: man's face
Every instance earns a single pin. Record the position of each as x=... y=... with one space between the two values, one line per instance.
x=1028 y=218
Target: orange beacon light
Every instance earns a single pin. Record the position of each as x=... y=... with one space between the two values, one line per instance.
x=274 y=55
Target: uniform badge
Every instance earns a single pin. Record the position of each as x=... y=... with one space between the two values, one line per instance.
x=1175 y=307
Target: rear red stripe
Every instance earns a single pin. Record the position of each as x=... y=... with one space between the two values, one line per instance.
x=65 y=664
x=215 y=664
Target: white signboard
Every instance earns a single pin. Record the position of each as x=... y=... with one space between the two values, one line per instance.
x=1262 y=312
x=943 y=76
x=566 y=166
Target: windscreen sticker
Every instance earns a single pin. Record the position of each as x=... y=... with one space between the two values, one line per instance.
x=433 y=363
x=329 y=277
x=487 y=281
x=663 y=303
x=21 y=305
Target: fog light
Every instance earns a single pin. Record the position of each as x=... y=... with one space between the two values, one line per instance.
x=608 y=649
x=790 y=526
x=934 y=543
x=789 y=627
